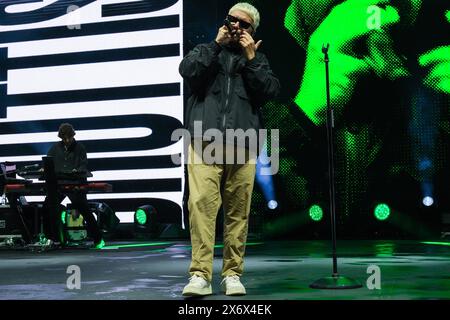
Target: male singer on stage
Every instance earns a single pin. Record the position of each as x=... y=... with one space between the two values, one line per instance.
x=229 y=81
x=70 y=159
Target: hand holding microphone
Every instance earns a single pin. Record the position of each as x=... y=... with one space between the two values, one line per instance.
x=227 y=24
x=227 y=33
x=248 y=44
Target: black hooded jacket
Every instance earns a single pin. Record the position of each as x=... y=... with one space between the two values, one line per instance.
x=227 y=90
x=69 y=159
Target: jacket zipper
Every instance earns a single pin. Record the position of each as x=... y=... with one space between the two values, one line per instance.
x=228 y=92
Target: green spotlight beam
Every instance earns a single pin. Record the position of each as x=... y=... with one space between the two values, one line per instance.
x=437 y=243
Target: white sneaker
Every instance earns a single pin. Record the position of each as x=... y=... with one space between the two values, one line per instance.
x=197 y=286
x=47 y=243
x=232 y=286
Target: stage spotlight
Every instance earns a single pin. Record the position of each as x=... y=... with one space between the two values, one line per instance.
x=146 y=224
x=140 y=216
x=316 y=213
x=106 y=217
x=382 y=211
x=427 y=193
x=145 y=216
x=272 y=204
x=428 y=201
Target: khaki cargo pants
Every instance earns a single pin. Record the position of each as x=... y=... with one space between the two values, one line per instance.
x=210 y=186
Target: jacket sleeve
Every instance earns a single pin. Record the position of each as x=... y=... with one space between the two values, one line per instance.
x=52 y=151
x=82 y=159
x=259 y=78
x=199 y=63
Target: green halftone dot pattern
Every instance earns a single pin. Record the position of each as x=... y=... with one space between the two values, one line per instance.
x=357 y=48
x=291 y=137
x=352 y=158
x=258 y=202
x=445 y=127
x=277 y=115
x=257 y=211
x=359 y=57
x=438 y=62
x=298 y=194
x=301 y=20
x=291 y=23
x=287 y=166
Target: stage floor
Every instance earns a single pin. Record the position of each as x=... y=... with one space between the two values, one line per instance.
x=283 y=270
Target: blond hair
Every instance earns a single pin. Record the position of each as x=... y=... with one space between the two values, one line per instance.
x=250 y=10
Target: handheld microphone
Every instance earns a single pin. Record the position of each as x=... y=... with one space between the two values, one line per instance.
x=227 y=23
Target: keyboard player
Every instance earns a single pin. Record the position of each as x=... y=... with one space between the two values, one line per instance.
x=70 y=160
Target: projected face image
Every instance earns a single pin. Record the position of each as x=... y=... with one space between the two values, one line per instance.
x=367 y=39
x=437 y=63
x=389 y=86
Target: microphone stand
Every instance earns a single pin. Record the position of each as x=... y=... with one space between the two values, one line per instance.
x=335 y=281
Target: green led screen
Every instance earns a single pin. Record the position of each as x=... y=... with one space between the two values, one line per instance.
x=389 y=87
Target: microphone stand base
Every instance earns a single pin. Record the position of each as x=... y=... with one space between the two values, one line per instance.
x=336 y=282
